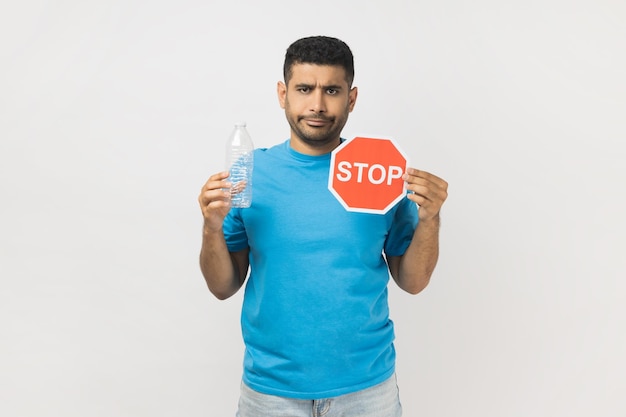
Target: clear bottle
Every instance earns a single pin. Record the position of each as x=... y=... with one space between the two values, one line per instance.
x=239 y=162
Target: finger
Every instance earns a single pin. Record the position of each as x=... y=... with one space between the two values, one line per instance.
x=414 y=174
x=216 y=181
x=215 y=189
x=219 y=176
x=427 y=198
x=428 y=192
x=418 y=199
x=238 y=187
x=210 y=196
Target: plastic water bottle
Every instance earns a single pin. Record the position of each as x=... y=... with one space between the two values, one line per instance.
x=239 y=162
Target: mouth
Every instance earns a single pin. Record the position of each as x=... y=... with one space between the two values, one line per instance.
x=316 y=121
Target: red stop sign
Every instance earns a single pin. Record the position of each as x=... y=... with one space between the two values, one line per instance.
x=366 y=174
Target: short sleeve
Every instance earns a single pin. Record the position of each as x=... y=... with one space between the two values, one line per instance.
x=402 y=228
x=235 y=231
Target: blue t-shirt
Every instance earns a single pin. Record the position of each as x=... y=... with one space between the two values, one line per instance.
x=315 y=318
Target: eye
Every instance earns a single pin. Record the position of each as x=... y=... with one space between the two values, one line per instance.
x=303 y=90
x=331 y=91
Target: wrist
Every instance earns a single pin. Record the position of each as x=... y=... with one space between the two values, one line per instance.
x=431 y=221
x=209 y=229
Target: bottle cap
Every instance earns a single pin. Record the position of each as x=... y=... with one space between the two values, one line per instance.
x=240 y=123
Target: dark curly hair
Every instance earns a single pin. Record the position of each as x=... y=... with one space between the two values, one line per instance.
x=319 y=50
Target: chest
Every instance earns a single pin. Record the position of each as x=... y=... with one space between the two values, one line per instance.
x=292 y=206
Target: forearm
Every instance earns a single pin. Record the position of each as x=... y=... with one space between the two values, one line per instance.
x=417 y=264
x=218 y=268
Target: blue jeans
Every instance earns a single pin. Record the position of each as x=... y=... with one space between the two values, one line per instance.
x=381 y=400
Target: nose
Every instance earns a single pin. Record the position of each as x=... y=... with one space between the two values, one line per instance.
x=318 y=103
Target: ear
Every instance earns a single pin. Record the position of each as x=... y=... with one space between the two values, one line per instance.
x=281 y=89
x=354 y=92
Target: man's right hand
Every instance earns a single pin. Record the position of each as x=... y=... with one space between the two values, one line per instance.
x=214 y=201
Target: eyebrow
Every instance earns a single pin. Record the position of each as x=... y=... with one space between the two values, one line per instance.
x=323 y=87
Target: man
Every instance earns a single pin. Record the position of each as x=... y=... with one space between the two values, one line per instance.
x=315 y=318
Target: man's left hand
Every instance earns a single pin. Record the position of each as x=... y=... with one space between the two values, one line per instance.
x=427 y=190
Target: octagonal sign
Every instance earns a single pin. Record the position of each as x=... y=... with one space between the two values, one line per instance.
x=366 y=174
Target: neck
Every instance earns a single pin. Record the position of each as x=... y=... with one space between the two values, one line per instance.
x=313 y=148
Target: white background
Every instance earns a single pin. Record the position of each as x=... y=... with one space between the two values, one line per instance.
x=114 y=113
